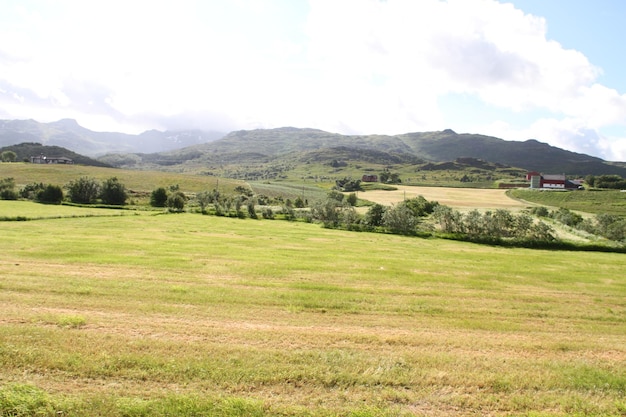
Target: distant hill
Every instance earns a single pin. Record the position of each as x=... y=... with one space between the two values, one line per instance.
x=25 y=150
x=283 y=148
x=303 y=145
x=69 y=134
x=531 y=154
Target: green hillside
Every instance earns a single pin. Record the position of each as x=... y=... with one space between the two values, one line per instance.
x=26 y=150
x=139 y=183
x=243 y=153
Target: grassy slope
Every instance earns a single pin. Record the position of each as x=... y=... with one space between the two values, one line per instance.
x=315 y=172
x=29 y=211
x=606 y=201
x=137 y=181
x=183 y=314
x=436 y=146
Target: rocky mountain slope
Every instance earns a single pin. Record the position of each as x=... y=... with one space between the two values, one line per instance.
x=413 y=148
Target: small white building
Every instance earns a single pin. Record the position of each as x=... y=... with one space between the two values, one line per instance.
x=42 y=159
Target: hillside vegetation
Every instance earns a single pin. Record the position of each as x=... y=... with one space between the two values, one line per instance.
x=201 y=315
x=26 y=150
x=605 y=201
x=138 y=182
x=404 y=209
x=274 y=153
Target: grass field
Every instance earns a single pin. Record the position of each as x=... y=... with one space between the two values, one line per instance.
x=25 y=211
x=605 y=201
x=141 y=182
x=187 y=314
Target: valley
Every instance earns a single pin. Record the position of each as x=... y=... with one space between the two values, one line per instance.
x=267 y=293
x=160 y=315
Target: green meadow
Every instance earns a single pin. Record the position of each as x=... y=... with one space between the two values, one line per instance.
x=588 y=201
x=120 y=313
x=138 y=183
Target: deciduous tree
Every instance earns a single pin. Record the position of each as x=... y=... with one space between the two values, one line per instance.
x=51 y=194
x=113 y=192
x=176 y=202
x=374 y=215
x=8 y=156
x=204 y=198
x=400 y=219
x=84 y=190
x=7 y=189
x=158 y=197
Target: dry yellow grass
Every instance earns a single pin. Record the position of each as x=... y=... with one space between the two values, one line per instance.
x=459 y=198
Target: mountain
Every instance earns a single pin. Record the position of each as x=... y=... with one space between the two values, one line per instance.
x=294 y=144
x=531 y=154
x=69 y=134
x=202 y=151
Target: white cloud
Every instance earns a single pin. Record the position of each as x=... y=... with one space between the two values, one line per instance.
x=355 y=66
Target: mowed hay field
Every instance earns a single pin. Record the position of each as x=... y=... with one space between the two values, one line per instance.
x=187 y=314
x=458 y=198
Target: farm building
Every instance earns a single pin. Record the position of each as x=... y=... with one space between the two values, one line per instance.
x=42 y=159
x=551 y=181
x=369 y=178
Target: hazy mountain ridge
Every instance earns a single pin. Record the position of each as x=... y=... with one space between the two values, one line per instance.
x=194 y=150
x=439 y=146
x=69 y=134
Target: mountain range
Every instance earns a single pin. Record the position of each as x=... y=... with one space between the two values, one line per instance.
x=190 y=150
x=69 y=134
x=286 y=144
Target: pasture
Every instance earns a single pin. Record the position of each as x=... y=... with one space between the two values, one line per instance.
x=588 y=201
x=23 y=210
x=201 y=315
x=139 y=183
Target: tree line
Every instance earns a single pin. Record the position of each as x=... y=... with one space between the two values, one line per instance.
x=614 y=182
x=415 y=216
x=609 y=226
x=409 y=217
x=418 y=216
x=84 y=190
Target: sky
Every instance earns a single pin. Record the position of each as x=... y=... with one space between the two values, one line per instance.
x=551 y=70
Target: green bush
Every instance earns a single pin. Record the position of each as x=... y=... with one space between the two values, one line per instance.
x=51 y=194
x=158 y=198
x=83 y=191
x=8 y=195
x=176 y=202
x=113 y=192
x=30 y=191
x=7 y=189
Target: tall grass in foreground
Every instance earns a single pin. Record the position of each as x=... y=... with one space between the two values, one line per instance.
x=201 y=315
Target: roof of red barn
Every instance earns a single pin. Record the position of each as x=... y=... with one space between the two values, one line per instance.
x=554 y=177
